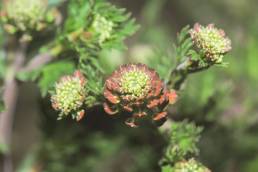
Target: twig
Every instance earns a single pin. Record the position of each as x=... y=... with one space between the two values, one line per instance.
x=190 y=71
x=37 y=62
x=182 y=70
x=178 y=75
x=10 y=98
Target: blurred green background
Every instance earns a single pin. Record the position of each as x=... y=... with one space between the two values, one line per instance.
x=223 y=100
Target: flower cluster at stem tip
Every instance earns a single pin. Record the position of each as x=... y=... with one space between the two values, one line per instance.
x=102 y=27
x=189 y=166
x=138 y=90
x=27 y=16
x=211 y=42
x=70 y=94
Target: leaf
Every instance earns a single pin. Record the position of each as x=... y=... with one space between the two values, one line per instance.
x=81 y=16
x=2 y=107
x=182 y=35
x=184 y=44
x=52 y=72
x=167 y=168
x=183 y=140
x=28 y=76
x=162 y=62
x=2 y=66
x=194 y=55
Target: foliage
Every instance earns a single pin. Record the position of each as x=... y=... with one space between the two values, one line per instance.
x=88 y=16
x=2 y=107
x=52 y=72
x=182 y=142
x=90 y=38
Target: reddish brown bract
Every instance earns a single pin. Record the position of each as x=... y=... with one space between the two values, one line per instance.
x=137 y=89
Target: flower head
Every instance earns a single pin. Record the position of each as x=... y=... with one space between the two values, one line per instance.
x=190 y=166
x=26 y=10
x=27 y=16
x=70 y=95
x=102 y=27
x=137 y=89
x=211 y=42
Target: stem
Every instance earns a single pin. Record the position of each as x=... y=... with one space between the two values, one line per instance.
x=190 y=71
x=10 y=98
x=182 y=70
x=178 y=75
x=37 y=62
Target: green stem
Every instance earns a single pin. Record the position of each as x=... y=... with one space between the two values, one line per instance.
x=181 y=72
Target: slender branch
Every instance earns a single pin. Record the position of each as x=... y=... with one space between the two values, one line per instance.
x=190 y=71
x=182 y=70
x=10 y=97
x=37 y=62
x=178 y=75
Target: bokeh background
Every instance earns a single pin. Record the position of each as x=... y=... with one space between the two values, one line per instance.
x=223 y=100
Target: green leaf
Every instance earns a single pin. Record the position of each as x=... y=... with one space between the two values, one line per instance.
x=2 y=107
x=82 y=15
x=52 y=72
x=167 y=168
x=183 y=45
x=2 y=66
x=182 y=35
x=194 y=55
x=183 y=140
x=162 y=62
x=28 y=76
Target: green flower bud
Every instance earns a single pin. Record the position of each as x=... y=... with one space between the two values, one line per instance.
x=102 y=27
x=70 y=94
x=23 y=11
x=135 y=84
x=189 y=166
x=27 y=16
x=211 y=42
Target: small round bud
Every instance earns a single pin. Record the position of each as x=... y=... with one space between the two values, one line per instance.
x=102 y=27
x=137 y=89
x=211 y=42
x=190 y=166
x=70 y=94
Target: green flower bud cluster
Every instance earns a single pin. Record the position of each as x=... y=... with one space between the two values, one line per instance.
x=102 y=27
x=183 y=139
x=135 y=83
x=27 y=16
x=189 y=166
x=70 y=94
x=211 y=42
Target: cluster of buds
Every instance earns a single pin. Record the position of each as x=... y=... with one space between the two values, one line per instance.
x=27 y=16
x=189 y=166
x=137 y=89
x=102 y=27
x=69 y=96
x=211 y=42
